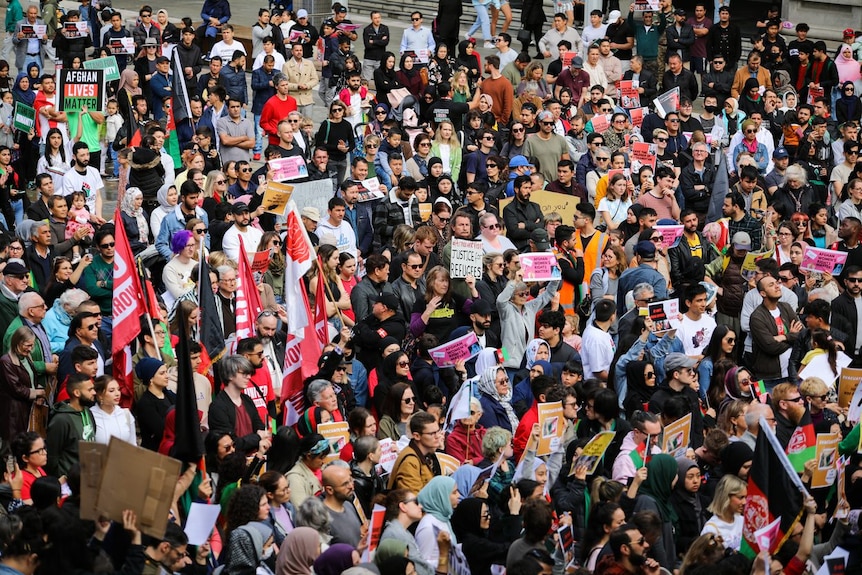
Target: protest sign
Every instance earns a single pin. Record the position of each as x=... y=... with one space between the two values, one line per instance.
x=814 y=93
x=749 y=265
x=200 y=522
x=24 y=118
x=92 y=457
x=643 y=154
x=33 y=31
x=451 y=352
x=108 y=64
x=345 y=27
x=290 y=168
x=848 y=381
x=566 y=58
x=338 y=435
x=820 y=366
x=593 y=452
x=824 y=261
x=466 y=259
x=540 y=267
x=79 y=88
x=551 y=427
x=388 y=456
x=75 y=29
x=370 y=190
x=375 y=529
x=645 y=6
x=275 y=197
x=563 y=204
x=854 y=410
x=601 y=122
x=141 y=480
x=637 y=115
x=842 y=507
x=425 y=211
x=677 y=436
x=629 y=95
x=124 y=46
x=448 y=463
x=260 y=262
x=567 y=539
x=423 y=56
x=826 y=455
x=670 y=235
x=665 y=315
x=667 y=102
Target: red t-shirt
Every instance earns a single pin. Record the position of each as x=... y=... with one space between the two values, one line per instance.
x=243 y=422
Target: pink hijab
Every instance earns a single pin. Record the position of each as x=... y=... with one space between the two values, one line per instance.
x=848 y=68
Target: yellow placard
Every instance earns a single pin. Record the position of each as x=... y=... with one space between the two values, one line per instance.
x=275 y=197
x=826 y=456
x=552 y=424
x=593 y=452
x=563 y=204
x=448 y=463
x=848 y=381
x=677 y=436
x=749 y=266
x=338 y=434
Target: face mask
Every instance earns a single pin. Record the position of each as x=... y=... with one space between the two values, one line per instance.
x=267 y=553
x=711 y=109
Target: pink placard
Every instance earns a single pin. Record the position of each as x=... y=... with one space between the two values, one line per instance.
x=452 y=352
x=540 y=267
x=824 y=261
x=290 y=168
x=670 y=235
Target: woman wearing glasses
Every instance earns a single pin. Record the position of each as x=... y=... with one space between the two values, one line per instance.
x=441 y=215
x=848 y=107
x=515 y=144
x=750 y=144
x=417 y=166
x=18 y=390
x=720 y=346
x=31 y=456
x=398 y=408
x=336 y=135
x=394 y=369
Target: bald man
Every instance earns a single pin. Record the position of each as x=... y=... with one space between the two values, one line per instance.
x=346 y=525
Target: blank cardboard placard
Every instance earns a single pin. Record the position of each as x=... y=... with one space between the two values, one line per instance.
x=138 y=479
x=93 y=457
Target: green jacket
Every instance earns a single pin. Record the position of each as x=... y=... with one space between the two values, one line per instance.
x=37 y=355
x=647 y=41
x=66 y=427
x=14 y=13
x=8 y=309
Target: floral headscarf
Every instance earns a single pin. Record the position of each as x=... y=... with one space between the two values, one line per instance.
x=127 y=206
x=488 y=386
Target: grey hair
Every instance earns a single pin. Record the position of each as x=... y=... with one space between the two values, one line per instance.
x=638 y=58
x=72 y=298
x=754 y=413
x=315 y=388
x=531 y=86
x=517 y=286
x=278 y=78
x=27 y=300
x=795 y=172
x=821 y=293
x=496 y=438
x=641 y=290
x=312 y=513
x=233 y=364
x=38 y=225
x=485 y=217
x=364 y=446
x=221 y=270
x=604 y=149
x=337 y=463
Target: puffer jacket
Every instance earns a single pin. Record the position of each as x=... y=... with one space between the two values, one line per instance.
x=366 y=486
x=147 y=172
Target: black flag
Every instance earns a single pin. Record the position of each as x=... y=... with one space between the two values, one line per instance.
x=189 y=445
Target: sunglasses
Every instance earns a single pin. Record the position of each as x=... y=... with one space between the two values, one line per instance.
x=408 y=399
x=246 y=170
x=751 y=131
x=415 y=19
x=414 y=266
x=108 y=245
x=731 y=340
x=649 y=374
x=660 y=139
x=490 y=165
x=603 y=159
x=493 y=227
x=219 y=182
x=854 y=280
x=522 y=293
x=547 y=123
x=820 y=397
x=403 y=363
x=202 y=231
x=276 y=243
x=517 y=130
x=444 y=220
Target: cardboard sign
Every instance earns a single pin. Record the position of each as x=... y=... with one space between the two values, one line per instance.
x=629 y=95
x=24 y=118
x=375 y=529
x=667 y=102
x=338 y=434
x=593 y=452
x=552 y=424
x=93 y=458
x=79 y=88
x=670 y=235
x=540 y=267
x=601 y=122
x=138 y=479
x=276 y=196
x=563 y=204
x=33 y=31
x=108 y=64
x=124 y=46
x=260 y=262
x=665 y=315
x=826 y=455
x=290 y=168
x=370 y=190
x=448 y=463
x=637 y=116
x=425 y=209
x=749 y=265
x=451 y=352
x=642 y=154
x=848 y=381
x=824 y=261
x=466 y=259
x=75 y=29
x=677 y=436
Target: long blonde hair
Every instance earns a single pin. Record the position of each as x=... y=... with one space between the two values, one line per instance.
x=465 y=89
x=453 y=139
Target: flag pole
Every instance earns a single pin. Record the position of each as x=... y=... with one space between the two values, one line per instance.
x=322 y=277
x=147 y=315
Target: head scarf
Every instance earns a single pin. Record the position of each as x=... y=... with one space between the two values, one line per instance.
x=126 y=82
x=731 y=386
x=334 y=560
x=162 y=196
x=127 y=206
x=38 y=70
x=27 y=96
x=389 y=548
x=547 y=368
x=467 y=60
x=683 y=465
x=467 y=518
x=465 y=476
x=631 y=229
x=488 y=100
x=434 y=499
x=734 y=456
x=748 y=86
x=661 y=471
x=636 y=382
x=734 y=106
x=533 y=349
x=851 y=101
x=309 y=421
x=412 y=71
x=486 y=358
x=298 y=552
x=848 y=68
x=394 y=566
x=246 y=547
x=488 y=387
x=389 y=74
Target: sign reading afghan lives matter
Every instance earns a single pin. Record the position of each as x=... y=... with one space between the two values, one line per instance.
x=451 y=352
x=466 y=259
x=79 y=88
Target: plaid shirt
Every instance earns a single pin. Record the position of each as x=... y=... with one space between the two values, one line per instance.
x=750 y=226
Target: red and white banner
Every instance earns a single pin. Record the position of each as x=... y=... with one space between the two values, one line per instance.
x=128 y=308
x=248 y=304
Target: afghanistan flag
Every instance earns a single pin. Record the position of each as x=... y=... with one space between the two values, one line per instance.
x=803 y=444
x=189 y=445
x=774 y=490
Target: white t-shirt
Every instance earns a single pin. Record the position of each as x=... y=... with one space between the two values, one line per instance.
x=250 y=239
x=90 y=183
x=695 y=335
x=258 y=61
x=226 y=50
x=730 y=532
x=618 y=209
x=597 y=350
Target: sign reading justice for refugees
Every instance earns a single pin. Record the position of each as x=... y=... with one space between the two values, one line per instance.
x=79 y=88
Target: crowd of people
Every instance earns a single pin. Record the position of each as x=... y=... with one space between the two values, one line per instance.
x=684 y=288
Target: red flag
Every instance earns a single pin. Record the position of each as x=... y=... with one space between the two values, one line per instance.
x=320 y=317
x=248 y=304
x=128 y=307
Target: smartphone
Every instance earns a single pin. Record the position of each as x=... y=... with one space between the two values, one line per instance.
x=10 y=464
x=261 y=179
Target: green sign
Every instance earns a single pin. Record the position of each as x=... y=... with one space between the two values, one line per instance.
x=108 y=64
x=24 y=118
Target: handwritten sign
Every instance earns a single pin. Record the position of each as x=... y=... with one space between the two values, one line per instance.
x=563 y=204
x=24 y=118
x=275 y=197
x=466 y=259
x=593 y=452
x=540 y=267
x=665 y=315
x=551 y=426
x=33 y=31
x=388 y=456
x=108 y=64
x=826 y=455
x=290 y=168
x=124 y=46
x=451 y=352
x=677 y=436
x=629 y=95
x=670 y=235
x=79 y=88
x=338 y=435
x=821 y=260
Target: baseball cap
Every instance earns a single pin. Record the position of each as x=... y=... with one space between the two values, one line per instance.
x=189 y=31
x=161 y=59
x=614 y=16
x=577 y=62
x=780 y=152
x=302 y=13
x=390 y=300
x=679 y=12
x=481 y=307
x=539 y=236
x=849 y=33
x=518 y=162
x=311 y=213
x=545 y=115
x=646 y=250
x=675 y=361
x=239 y=208
x=341 y=9
x=741 y=241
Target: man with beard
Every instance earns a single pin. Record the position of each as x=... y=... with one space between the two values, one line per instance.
x=629 y=548
x=522 y=216
x=266 y=329
x=480 y=324
x=260 y=388
x=847 y=305
x=169 y=555
x=789 y=407
x=731 y=285
x=410 y=281
x=740 y=220
x=774 y=328
x=83 y=177
x=693 y=251
x=345 y=525
x=681 y=382
x=70 y=423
